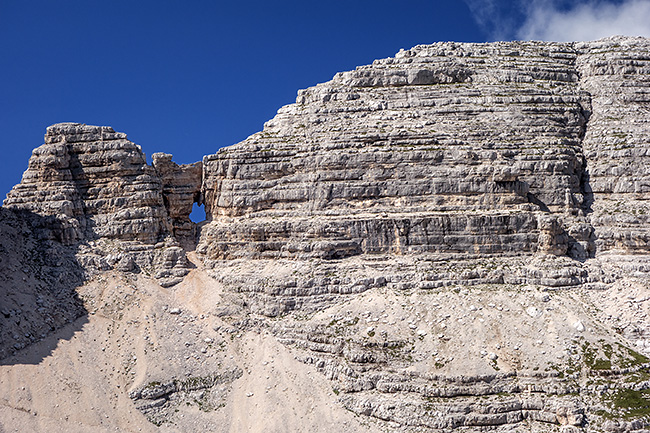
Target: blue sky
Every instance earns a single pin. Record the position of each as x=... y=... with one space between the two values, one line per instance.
x=189 y=77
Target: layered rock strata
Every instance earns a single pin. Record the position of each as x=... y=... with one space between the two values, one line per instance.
x=450 y=165
x=106 y=198
x=443 y=359
x=455 y=151
x=616 y=73
x=449 y=148
x=398 y=229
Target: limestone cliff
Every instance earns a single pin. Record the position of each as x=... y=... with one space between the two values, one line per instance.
x=458 y=150
x=122 y=212
x=447 y=148
x=454 y=237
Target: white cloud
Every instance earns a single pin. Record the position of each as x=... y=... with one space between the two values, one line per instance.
x=586 y=21
x=495 y=17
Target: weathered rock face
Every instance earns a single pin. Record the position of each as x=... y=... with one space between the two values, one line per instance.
x=450 y=165
x=398 y=228
x=97 y=177
x=458 y=148
x=445 y=148
x=100 y=188
x=38 y=278
x=616 y=73
x=181 y=189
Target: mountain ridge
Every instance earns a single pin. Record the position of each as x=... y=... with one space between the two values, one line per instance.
x=446 y=235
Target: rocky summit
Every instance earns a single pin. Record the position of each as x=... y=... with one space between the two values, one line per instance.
x=454 y=238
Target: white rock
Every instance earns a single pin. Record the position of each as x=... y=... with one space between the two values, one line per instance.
x=579 y=326
x=533 y=312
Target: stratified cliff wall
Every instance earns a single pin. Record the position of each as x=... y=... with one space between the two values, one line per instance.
x=460 y=148
x=119 y=211
x=93 y=175
x=616 y=73
x=445 y=148
x=398 y=229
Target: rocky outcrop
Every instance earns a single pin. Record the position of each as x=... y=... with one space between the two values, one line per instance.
x=400 y=156
x=181 y=189
x=616 y=73
x=38 y=278
x=446 y=148
x=106 y=198
x=158 y=400
x=98 y=178
x=453 y=150
x=399 y=228
x=449 y=149
x=450 y=165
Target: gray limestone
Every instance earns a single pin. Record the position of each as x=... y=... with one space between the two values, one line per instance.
x=516 y=170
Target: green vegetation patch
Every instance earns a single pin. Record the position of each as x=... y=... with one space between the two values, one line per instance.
x=592 y=359
x=630 y=404
x=634 y=358
x=602 y=356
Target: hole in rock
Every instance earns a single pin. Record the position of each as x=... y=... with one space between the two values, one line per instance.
x=198 y=213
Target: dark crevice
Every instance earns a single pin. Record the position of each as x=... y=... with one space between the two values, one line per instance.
x=534 y=200
x=587 y=192
x=582 y=242
x=585 y=187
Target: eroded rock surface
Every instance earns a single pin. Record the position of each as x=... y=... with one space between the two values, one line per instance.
x=116 y=209
x=456 y=237
x=448 y=148
x=181 y=189
x=616 y=73
x=463 y=151
x=38 y=278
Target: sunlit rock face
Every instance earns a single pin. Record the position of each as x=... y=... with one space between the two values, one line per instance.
x=616 y=73
x=455 y=148
x=119 y=211
x=456 y=237
x=459 y=150
x=450 y=152
x=96 y=176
